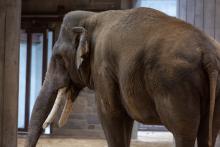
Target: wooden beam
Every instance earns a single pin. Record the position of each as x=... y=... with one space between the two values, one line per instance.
x=199 y=11
x=209 y=17
x=126 y=4
x=217 y=21
x=9 y=55
x=190 y=14
x=183 y=9
x=2 y=46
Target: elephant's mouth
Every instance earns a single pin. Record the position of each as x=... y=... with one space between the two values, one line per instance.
x=63 y=94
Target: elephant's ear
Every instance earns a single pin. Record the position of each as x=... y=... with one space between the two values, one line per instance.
x=82 y=50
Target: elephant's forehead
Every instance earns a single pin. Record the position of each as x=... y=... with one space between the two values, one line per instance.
x=65 y=35
x=74 y=17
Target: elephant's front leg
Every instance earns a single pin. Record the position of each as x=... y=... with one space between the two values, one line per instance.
x=117 y=126
x=116 y=123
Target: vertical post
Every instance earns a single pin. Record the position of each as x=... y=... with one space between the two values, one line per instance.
x=9 y=69
x=2 y=46
x=177 y=8
x=125 y=4
x=128 y=4
x=135 y=130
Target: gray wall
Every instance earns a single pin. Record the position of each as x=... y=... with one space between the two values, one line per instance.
x=204 y=14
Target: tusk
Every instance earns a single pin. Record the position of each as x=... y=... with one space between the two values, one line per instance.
x=66 y=110
x=55 y=108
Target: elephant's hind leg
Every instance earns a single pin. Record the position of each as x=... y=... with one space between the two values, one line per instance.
x=180 y=117
x=203 y=132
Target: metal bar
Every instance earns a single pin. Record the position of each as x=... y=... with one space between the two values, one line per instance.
x=28 y=79
x=45 y=52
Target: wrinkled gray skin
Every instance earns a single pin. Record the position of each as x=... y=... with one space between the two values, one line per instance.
x=143 y=65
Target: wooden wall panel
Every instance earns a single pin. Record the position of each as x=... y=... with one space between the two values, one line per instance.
x=204 y=14
x=209 y=17
x=9 y=54
x=217 y=21
x=190 y=13
x=182 y=9
x=2 y=44
x=199 y=17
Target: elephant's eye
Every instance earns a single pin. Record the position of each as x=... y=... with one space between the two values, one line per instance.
x=59 y=60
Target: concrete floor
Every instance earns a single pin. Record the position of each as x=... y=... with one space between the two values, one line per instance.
x=89 y=143
x=149 y=139
x=145 y=139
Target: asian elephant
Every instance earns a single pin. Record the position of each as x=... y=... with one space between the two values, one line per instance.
x=143 y=65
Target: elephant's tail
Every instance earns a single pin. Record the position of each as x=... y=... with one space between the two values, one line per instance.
x=213 y=76
x=211 y=63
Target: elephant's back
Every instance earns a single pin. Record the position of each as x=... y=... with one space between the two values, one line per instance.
x=140 y=28
x=149 y=40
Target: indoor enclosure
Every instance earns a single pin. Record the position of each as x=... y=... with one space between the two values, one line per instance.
x=28 y=31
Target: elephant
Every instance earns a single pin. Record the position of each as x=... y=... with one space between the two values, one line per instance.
x=142 y=65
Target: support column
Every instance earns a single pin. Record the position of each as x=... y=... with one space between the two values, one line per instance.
x=9 y=55
x=135 y=130
x=128 y=4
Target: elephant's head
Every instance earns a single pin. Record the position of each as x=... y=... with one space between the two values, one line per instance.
x=69 y=69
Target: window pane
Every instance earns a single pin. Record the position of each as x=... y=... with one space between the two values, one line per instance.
x=22 y=79
x=50 y=46
x=36 y=67
x=167 y=6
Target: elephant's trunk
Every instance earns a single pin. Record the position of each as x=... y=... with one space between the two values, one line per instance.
x=56 y=78
x=42 y=107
